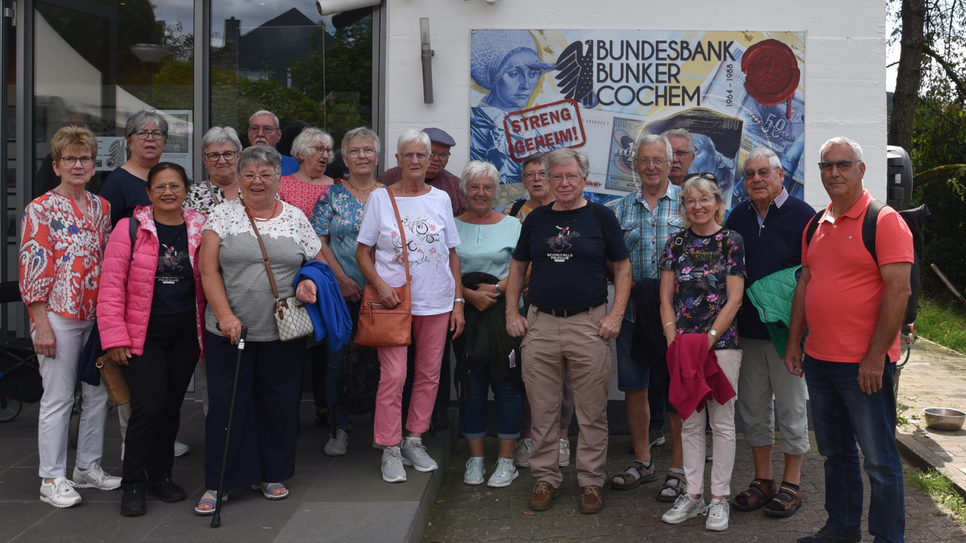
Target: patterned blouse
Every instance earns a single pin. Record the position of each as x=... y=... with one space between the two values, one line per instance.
x=338 y=215
x=61 y=253
x=701 y=266
x=204 y=196
x=300 y=194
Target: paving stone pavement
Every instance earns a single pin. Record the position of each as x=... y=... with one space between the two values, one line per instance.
x=466 y=513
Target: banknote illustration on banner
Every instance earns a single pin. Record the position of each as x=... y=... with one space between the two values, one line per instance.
x=598 y=91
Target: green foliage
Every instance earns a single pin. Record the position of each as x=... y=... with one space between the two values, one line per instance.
x=938 y=487
x=943 y=322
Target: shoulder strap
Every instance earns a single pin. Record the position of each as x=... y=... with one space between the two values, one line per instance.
x=812 y=227
x=133 y=227
x=268 y=265
x=402 y=233
x=600 y=227
x=517 y=206
x=869 y=224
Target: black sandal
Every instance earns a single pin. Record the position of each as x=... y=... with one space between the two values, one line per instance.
x=757 y=496
x=679 y=485
x=786 y=503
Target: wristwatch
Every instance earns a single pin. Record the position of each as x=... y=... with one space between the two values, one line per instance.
x=498 y=293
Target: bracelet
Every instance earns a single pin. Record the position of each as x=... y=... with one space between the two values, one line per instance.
x=461 y=300
x=668 y=324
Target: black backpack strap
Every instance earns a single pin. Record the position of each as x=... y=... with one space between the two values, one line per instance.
x=133 y=227
x=593 y=206
x=812 y=227
x=869 y=227
x=517 y=206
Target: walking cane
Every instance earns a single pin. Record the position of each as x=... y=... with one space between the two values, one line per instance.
x=216 y=519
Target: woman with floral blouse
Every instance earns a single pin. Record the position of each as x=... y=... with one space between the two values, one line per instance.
x=220 y=148
x=701 y=288
x=64 y=234
x=336 y=220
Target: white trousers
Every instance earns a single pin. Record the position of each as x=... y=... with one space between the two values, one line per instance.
x=722 y=429
x=59 y=376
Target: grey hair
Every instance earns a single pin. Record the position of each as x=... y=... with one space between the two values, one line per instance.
x=307 y=139
x=856 y=149
x=414 y=136
x=700 y=184
x=538 y=157
x=141 y=118
x=479 y=168
x=361 y=133
x=563 y=157
x=764 y=152
x=260 y=154
x=680 y=133
x=221 y=134
x=263 y=112
x=648 y=139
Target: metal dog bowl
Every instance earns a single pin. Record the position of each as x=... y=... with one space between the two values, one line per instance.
x=944 y=418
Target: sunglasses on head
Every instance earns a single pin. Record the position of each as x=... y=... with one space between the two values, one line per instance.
x=704 y=175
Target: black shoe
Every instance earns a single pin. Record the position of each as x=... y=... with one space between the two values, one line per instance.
x=828 y=536
x=166 y=490
x=132 y=502
x=440 y=420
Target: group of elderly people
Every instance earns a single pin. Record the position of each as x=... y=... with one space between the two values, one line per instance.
x=183 y=274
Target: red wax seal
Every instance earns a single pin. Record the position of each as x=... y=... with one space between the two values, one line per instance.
x=771 y=73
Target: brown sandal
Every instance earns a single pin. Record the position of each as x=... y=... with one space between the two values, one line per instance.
x=757 y=496
x=674 y=481
x=785 y=503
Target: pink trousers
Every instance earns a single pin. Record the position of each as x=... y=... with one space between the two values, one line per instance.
x=429 y=336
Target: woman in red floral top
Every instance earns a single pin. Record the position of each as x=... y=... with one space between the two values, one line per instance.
x=313 y=150
x=64 y=234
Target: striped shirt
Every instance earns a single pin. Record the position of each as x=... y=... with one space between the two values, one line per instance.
x=777 y=202
x=646 y=231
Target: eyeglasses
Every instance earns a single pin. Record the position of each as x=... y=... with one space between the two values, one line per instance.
x=762 y=173
x=842 y=165
x=160 y=189
x=227 y=155
x=143 y=134
x=703 y=175
x=530 y=176
x=266 y=129
x=481 y=187
x=323 y=150
x=356 y=152
x=705 y=201
x=418 y=156
x=439 y=156
x=658 y=162
x=570 y=177
x=265 y=177
x=84 y=160
x=681 y=153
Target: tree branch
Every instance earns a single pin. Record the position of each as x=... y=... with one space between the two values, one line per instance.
x=937 y=111
x=940 y=172
x=949 y=69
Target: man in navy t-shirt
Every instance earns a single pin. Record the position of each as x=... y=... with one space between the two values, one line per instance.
x=569 y=243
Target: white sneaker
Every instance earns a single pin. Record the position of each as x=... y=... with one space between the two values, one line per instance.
x=564 y=459
x=95 y=478
x=414 y=454
x=337 y=444
x=474 y=471
x=685 y=507
x=504 y=475
x=392 y=465
x=60 y=493
x=521 y=453
x=180 y=449
x=718 y=513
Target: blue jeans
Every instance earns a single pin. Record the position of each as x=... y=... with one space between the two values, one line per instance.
x=843 y=414
x=631 y=376
x=333 y=375
x=508 y=410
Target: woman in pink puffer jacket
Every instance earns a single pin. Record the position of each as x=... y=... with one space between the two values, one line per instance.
x=150 y=312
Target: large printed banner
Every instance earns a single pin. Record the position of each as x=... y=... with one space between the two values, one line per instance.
x=598 y=91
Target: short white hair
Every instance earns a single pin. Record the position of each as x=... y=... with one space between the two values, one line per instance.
x=479 y=168
x=414 y=136
x=764 y=152
x=308 y=139
x=680 y=133
x=263 y=112
x=856 y=149
x=648 y=139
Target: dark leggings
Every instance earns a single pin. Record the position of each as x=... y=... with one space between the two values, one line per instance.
x=158 y=379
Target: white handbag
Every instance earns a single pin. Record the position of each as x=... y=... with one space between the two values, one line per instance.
x=291 y=316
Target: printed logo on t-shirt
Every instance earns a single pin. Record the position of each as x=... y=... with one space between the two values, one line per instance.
x=422 y=241
x=562 y=242
x=170 y=264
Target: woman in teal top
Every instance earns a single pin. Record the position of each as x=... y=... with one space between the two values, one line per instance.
x=487 y=242
x=336 y=220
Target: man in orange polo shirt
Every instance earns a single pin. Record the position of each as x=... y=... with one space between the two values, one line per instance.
x=853 y=309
